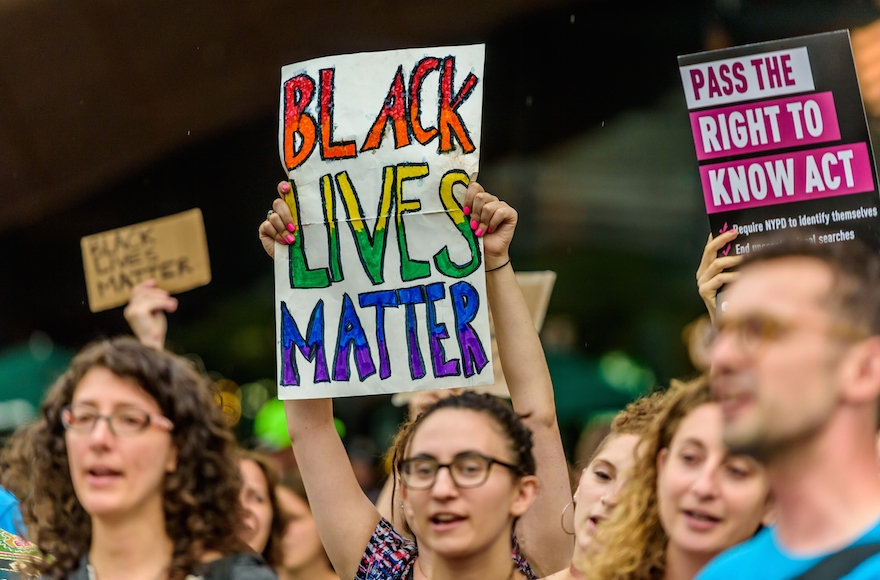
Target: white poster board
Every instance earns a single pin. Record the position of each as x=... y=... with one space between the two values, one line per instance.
x=383 y=290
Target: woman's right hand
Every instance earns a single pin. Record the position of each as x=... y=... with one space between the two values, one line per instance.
x=145 y=313
x=278 y=226
x=711 y=274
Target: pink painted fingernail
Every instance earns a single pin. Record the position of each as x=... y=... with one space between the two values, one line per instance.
x=473 y=224
x=291 y=228
x=289 y=239
x=466 y=210
x=285 y=187
x=489 y=230
x=281 y=240
x=479 y=232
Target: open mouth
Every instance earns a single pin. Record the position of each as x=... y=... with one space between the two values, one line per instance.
x=701 y=520
x=444 y=521
x=594 y=521
x=102 y=475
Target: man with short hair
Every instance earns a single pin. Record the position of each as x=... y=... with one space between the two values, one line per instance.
x=796 y=368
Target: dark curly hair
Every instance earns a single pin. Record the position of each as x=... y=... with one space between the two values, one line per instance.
x=519 y=437
x=200 y=498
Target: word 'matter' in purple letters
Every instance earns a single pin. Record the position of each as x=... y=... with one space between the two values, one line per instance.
x=352 y=342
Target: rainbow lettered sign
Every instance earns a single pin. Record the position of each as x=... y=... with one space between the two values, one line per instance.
x=383 y=290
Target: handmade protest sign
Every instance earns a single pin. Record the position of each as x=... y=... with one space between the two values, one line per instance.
x=383 y=289
x=536 y=288
x=782 y=141
x=172 y=250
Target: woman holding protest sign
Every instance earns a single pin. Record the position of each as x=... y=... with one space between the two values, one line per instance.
x=462 y=542
x=134 y=472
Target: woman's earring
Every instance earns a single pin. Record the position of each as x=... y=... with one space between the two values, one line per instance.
x=562 y=518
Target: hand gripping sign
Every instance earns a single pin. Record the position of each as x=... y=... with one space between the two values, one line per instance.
x=383 y=290
x=782 y=142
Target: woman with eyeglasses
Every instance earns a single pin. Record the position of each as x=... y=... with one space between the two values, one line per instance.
x=134 y=473
x=468 y=474
x=146 y=315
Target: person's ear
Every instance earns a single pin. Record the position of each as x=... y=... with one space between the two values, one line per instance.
x=860 y=372
x=769 y=511
x=171 y=462
x=527 y=493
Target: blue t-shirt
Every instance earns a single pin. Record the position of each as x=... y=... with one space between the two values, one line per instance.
x=10 y=517
x=763 y=557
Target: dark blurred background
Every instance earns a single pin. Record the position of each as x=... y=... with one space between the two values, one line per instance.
x=113 y=113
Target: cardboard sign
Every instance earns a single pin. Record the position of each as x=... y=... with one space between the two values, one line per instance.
x=383 y=290
x=782 y=141
x=172 y=250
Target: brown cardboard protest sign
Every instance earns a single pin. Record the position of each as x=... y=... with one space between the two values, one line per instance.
x=172 y=250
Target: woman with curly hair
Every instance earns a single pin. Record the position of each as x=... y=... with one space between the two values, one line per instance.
x=687 y=501
x=601 y=480
x=133 y=473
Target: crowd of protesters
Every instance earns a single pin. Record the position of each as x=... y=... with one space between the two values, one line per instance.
x=765 y=466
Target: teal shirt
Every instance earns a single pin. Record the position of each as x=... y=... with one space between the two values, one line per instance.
x=764 y=557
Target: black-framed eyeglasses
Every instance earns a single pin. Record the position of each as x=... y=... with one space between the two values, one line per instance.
x=125 y=421
x=467 y=470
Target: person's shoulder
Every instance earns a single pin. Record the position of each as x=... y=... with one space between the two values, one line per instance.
x=236 y=567
x=867 y=570
x=388 y=555
x=741 y=561
x=870 y=568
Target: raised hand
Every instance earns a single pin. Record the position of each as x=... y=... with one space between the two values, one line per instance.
x=278 y=226
x=145 y=313
x=493 y=220
x=711 y=274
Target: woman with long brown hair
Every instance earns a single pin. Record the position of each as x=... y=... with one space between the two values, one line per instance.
x=133 y=473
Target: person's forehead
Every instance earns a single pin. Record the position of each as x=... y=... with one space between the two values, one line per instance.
x=100 y=385
x=291 y=501
x=784 y=285
x=702 y=425
x=619 y=449
x=451 y=431
x=252 y=474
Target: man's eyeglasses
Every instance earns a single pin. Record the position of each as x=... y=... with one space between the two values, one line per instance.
x=468 y=470
x=756 y=330
x=125 y=421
